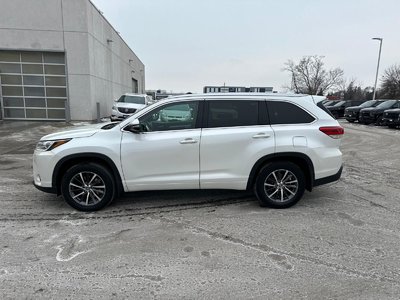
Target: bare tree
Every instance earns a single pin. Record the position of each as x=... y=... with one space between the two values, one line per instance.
x=390 y=87
x=310 y=76
x=353 y=90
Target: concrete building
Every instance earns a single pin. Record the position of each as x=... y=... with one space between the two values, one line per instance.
x=58 y=58
x=237 y=89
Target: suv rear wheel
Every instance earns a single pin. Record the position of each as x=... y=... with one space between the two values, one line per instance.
x=88 y=187
x=280 y=185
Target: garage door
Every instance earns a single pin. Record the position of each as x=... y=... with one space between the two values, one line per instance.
x=32 y=85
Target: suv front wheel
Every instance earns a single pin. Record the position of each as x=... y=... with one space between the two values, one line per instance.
x=88 y=186
x=280 y=185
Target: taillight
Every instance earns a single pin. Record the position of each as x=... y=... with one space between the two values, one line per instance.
x=335 y=132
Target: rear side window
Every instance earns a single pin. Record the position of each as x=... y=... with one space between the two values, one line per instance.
x=227 y=113
x=287 y=113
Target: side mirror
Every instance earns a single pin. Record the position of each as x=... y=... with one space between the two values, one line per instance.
x=134 y=127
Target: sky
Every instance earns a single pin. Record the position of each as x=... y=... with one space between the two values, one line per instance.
x=188 y=44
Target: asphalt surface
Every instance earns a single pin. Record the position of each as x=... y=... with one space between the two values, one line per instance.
x=342 y=241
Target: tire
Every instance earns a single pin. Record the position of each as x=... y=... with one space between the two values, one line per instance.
x=392 y=126
x=269 y=190
x=379 y=121
x=88 y=187
x=350 y=121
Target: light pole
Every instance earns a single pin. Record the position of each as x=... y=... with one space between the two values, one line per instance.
x=377 y=67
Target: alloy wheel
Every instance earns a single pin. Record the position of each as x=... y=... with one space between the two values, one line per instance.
x=87 y=188
x=281 y=185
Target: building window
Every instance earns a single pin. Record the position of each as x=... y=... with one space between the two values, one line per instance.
x=33 y=85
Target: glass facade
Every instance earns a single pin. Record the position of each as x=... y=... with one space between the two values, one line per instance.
x=32 y=85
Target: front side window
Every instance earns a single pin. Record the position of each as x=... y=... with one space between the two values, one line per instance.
x=226 y=113
x=176 y=116
x=287 y=113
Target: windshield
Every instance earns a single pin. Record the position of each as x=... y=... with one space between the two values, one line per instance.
x=377 y=103
x=339 y=103
x=368 y=103
x=132 y=99
x=386 y=104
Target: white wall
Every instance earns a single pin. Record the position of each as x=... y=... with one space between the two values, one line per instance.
x=34 y=25
x=97 y=71
x=111 y=71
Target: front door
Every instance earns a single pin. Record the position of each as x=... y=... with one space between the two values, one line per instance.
x=166 y=154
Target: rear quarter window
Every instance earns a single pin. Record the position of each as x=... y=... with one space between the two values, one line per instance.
x=323 y=107
x=287 y=113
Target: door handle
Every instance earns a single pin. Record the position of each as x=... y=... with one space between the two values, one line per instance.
x=188 y=141
x=261 y=135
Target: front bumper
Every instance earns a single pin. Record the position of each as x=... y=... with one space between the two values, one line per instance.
x=391 y=121
x=118 y=116
x=351 y=116
x=42 y=168
x=367 y=118
x=50 y=190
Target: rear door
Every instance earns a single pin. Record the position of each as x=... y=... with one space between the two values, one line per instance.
x=235 y=135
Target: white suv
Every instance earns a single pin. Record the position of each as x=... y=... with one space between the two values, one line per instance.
x=127 y=105
x=278 y=145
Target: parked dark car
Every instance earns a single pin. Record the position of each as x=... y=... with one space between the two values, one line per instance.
x=375 y=114
x=337 y=110
x=352 y=113
x=328 y=103
x=391 y=117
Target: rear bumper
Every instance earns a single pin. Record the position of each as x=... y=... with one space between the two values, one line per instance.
x=328 y=179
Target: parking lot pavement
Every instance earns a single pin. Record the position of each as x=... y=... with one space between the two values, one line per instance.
x=341 y=241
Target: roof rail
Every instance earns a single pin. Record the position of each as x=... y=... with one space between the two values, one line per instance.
x=237 y=94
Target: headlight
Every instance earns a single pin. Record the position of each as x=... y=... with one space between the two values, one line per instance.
x=50 y=145
x=114 y=107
